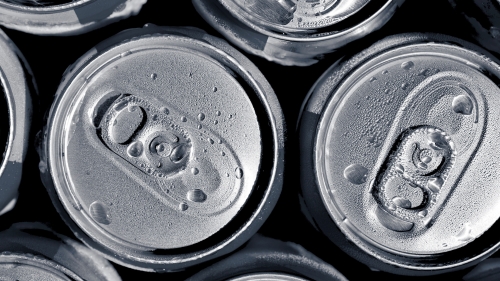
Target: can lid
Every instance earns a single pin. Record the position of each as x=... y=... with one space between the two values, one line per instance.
x=64 y=17
x=403 y=148
x=295 y=15
x=15 y=105
x=154 y=143
x=32 y=249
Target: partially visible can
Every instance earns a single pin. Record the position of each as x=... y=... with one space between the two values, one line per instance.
x=64 y=17
x=16 y=87
x=292 y=32
x=484 y=19
x=398 y=153
x=264 y=259
x=32 y=251
x=163 y=148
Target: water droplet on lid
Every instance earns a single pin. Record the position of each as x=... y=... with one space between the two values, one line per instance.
x=445 y=245
x=153 y=76
x=183 y=119
x=211 y=141
x=183 y=206
x=214 y=89
x=404 y=86
x=407 y=65
x=437 y=140
x=199 y=126
x=373 y=79
x=356 y=174
x=392 y=207
x=178 y=153
x=216 y=122
x=218 y=113
x=135 y=149
x=464 y=234
x=385 y=72
x=195 y=171
x=238 y=172
x=401 y=202
x=100 y=213
x=155 y=117
x=165 y=110
x=196 y=195
x=400 y=169
x=422 y=213
x=462 y=104
x=201 y=116
x=435 y=184
x=426 y=159
x=124 y=54
x=222 y=153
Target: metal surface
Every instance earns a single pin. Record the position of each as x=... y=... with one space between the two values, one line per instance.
x=154 y=143
x=298 y=42
x=402 y=154
x=16 y=114
x=267 y=277
x=31 y=251
x=66 y=19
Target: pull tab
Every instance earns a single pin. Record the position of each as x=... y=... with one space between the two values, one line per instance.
x=188 y=164
x=424 y=156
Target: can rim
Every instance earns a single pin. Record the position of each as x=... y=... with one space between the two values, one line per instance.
x=67 y=19
x=308 y=37
x=17 y=95
x=274 y=114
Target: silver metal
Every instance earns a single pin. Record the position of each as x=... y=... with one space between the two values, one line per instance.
x=15 y=92
x=31 y=251
x=66 y=19
x=294 y=32
x=154 y=143
x=267 y=277
x=402 y=152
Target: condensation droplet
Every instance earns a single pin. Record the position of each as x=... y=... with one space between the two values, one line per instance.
x=135 y=149
x=422 y=214
x=218 y=113
x=100 y=213
x=373 y=79
x=201 y=116
x=196 y=195
x=183 y=206
x=222 y=153
x=462 y=105
x=407 y=65
x=194 y=171
x=214 y=89
x=211 y=141
x=404 y=86
x=385 y=72
x=153 y=76
x=356 y=174
x=238 y=173
x=199 y=126
x=165 y=110
x=216 y=122
x=178 y=153
x=183 y=119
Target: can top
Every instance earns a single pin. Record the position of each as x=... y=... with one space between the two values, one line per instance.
x=154 y=143
x=15 y=103
x=32 y=249
x=293 y=16
x=404 y=144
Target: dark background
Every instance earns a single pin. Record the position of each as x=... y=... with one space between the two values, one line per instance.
x=49 y=56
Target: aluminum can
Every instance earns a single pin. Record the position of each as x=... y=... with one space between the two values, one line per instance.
x=292 y=32
x=16 y=87
x=163 y=148
x=32 y=251
x=64 y=17
x=265 y=259
x=398 y=146
x=484 y=19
